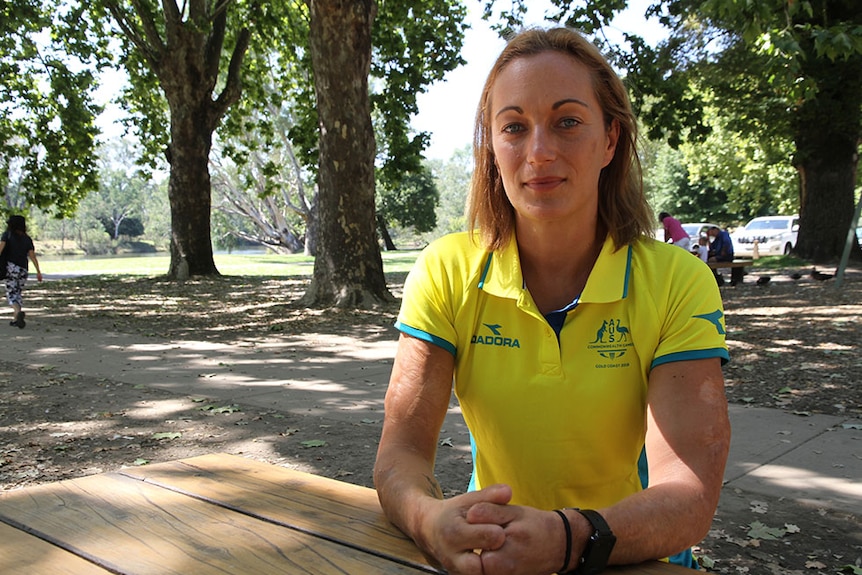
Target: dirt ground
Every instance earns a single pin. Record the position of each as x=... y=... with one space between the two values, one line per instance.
x=794 y=343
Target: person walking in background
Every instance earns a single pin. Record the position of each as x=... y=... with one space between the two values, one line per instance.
x=721 y=246
x=674 y=232
x=585 y=355
x=19 y=249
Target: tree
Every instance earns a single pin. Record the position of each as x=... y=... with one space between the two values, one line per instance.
x=47 y=129
x=729 y=177
x=184 y=64
x=180 y=49
x=411 y=204
x=278 y=218
x=782 y=70
x=452 y=179
x=415 y=43
x=348 y=269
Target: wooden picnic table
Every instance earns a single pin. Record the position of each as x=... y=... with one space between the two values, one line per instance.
x=211 y=514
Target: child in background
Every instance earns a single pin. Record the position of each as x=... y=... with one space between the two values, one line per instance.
x=701 y=250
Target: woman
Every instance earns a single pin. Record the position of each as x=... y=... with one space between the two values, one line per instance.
x=18 y=248
x=575 y=343
x=674 y=232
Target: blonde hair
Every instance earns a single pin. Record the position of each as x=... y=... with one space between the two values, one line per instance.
x=623 y=209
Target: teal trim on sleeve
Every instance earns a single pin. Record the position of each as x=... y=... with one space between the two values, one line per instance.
x=719 y=352
x=425 y=336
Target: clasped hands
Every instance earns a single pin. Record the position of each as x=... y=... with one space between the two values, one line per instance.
x=480 y=533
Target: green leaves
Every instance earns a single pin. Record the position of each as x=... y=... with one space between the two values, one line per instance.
x=47 y=124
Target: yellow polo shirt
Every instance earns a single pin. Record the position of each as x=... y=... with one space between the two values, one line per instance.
x=563 y=420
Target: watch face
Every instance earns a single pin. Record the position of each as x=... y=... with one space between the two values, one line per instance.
x=596 y=555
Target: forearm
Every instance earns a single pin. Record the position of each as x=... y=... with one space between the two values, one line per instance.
x=687 y=442
x=660 y=521
x=35 y=261
x=403 y=481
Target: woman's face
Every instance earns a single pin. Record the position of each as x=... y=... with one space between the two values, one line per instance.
x=549 y=137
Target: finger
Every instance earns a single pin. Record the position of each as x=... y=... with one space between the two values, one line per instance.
x=468 y=563
x=485 y=536
x=499 y=493
x=485 y=512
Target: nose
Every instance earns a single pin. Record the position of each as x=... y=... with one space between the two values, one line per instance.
x=541 y=147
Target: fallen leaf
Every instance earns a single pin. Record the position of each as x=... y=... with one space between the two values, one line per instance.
x=447 y=441
x=166 y=435
x=313 y=443
x=140 y=461
x=760 y=531
x=815 y=565
x=759 y=507
x=791 y=528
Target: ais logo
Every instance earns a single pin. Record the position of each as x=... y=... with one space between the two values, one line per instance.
x=612 y=339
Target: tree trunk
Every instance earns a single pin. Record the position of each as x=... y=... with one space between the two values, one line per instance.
x=183 y=48
x=348 y=268
x=190 y=195
x=827 y=144
x=388 y=244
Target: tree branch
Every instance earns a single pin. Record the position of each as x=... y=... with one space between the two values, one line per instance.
x=233 y=87
x=152 y=53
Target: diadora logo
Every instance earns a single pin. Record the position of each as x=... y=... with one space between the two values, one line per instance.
x=495 y=338
x=612 y=339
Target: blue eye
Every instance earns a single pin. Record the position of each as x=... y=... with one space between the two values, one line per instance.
x=512 y=128
x=569 y=122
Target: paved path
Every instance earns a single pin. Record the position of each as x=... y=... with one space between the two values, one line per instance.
x=816 y=459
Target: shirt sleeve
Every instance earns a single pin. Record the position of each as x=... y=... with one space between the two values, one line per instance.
x=426 y=306
x=693 y=325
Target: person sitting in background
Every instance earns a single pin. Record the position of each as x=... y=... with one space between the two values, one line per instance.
x=674 y=232
x=701 y=250
x=578 y=346
x=721 y=246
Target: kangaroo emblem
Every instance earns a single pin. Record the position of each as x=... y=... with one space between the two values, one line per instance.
x=600 y=335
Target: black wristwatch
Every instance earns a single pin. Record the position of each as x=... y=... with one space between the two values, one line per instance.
x=599 y=546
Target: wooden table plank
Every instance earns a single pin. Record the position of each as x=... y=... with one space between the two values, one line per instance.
x=351 y=513
x=325 y=507
x=132 y=527
x=23 y=554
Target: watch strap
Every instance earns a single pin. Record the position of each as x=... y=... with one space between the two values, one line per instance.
x=599 y=544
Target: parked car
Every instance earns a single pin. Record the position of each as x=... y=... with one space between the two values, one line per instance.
x=698 y=230
x=773 y=235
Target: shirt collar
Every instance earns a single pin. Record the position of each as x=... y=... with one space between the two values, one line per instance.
x=608 y=281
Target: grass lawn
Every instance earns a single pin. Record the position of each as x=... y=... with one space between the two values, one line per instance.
x=273 y=265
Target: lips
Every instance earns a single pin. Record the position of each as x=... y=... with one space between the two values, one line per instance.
x=544 y=183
